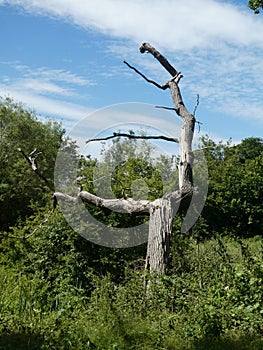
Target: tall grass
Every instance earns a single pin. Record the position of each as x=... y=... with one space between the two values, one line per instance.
x=212 y=299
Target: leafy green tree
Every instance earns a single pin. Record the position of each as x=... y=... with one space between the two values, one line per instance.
x=21 y=191
x=248 y=149
x=234 y=202
x=255 y=5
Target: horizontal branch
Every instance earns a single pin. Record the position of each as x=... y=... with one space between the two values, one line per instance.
x=121 y=205
x=130 y=136
x=116 y=204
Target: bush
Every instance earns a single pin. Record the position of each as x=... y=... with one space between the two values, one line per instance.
x=55 y=295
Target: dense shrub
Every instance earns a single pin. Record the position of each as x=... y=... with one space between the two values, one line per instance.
x=213 y=303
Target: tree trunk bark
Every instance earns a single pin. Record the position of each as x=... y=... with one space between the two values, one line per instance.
x=159 y=239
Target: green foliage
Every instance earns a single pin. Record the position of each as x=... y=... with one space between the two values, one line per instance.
x=60 y=291
x=134 y=172
x=255 y=5
x=213 y=303
x=21 y=191
x=235 y=187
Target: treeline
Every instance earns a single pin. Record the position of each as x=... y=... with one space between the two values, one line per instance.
x=61 y=291
x=233 y=205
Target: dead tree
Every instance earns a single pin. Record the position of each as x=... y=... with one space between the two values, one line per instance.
x=162 y=210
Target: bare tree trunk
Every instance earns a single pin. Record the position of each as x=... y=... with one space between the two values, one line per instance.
x=159 y=239
x=185 y=141
x=161 y=215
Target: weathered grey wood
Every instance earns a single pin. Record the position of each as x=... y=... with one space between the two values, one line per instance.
x=146 y=47
x=186 y=138
x=162 y=210
x=187 y=130
x=31 y=159
x=128 y=205
x=159 y=239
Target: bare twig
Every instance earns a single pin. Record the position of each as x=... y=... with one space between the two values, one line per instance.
x=199 y=125
x=197 y=104
x=119 y=134
x=163 y=87
x=169 y=108
x=48 y=216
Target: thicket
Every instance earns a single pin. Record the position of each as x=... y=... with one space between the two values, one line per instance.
x=60 y=291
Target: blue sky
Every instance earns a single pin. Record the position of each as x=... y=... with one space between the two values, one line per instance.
x=64 y=59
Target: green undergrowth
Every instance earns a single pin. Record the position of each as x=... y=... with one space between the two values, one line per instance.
x=211 y=299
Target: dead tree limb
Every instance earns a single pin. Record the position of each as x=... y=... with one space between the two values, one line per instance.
x=130 y=136
x=163 y=87
x=197 y=104
x=187 y=130
x=31 y=159
x=146 y=47
x=168 y=108
x=123 y=205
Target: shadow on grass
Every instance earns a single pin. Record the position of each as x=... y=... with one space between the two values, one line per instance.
x=20 y=341
x=230 y=343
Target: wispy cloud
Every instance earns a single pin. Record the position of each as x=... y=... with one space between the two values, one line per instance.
x=45 y=90
x=170 y=24
x=43 y=81
x=41 y=87
x=48 y=74
x=48 y=106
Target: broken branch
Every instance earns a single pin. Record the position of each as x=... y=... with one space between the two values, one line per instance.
x=169 y=108
x=146 y=47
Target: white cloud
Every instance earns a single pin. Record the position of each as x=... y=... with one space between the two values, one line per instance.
x=171 y=24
